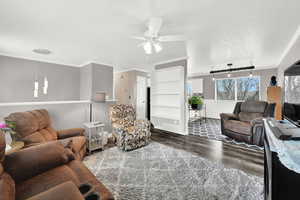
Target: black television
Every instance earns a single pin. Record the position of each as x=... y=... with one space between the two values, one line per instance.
x=291 y=107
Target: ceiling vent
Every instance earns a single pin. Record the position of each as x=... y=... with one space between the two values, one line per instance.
x=42 y=51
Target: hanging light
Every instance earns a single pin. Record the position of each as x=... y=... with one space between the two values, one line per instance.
x=36 y=89
x=229 y=66
x=213 y=78
x=148 y=47
x=251 y=74
x=45 y=88
x=157 y=47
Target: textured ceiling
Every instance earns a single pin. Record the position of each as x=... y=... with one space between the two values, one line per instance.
x=218 y=32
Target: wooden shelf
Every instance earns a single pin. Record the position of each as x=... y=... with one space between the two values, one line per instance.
x=175 y=93
x=166 y=117
x=172 y=81
x=177 y=107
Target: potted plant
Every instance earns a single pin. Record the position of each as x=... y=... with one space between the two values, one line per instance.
x=196 y=102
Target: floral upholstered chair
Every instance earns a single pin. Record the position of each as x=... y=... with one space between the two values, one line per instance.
x=129 y=133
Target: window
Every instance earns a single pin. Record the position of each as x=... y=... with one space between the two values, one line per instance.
x=248 y=88
x=240 y=89
x=225 y=89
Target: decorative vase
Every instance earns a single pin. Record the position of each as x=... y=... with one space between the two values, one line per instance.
x=273 y=81
x=194 y=106
x=199 y=107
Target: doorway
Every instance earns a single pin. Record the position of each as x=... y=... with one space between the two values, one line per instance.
x=141 y=97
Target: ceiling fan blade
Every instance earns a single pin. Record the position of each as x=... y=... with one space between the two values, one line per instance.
x=154 y=26
x=138 y=38
x=171 y=38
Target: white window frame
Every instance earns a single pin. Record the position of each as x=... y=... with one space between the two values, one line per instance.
x=235 y=87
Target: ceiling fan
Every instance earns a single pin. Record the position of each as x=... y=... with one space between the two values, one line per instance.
x=152 y=39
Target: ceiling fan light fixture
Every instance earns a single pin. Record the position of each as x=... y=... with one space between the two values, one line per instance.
x=148 y=48
x=157 y=47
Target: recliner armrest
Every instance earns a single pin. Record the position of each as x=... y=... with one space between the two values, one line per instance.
x=29 y=162
x=62 y=134
x=228 y=116
x=257 y=121
x=66 y=191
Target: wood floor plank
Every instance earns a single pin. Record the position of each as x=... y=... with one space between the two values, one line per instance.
x=231 y=155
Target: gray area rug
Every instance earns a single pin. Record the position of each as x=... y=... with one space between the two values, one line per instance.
x=160 y=172
x=211 y=129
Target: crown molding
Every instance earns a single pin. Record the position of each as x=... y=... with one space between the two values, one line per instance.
x=289 y=45
x=172 y=60
x=132 y=69
x=39 y=60
x=94 y=62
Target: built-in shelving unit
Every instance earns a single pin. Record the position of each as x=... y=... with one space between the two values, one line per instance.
x=168 y=100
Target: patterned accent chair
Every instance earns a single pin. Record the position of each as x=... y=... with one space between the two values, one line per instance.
x=130 y=133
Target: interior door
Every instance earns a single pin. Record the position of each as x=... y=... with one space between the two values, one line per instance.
x=141 y=96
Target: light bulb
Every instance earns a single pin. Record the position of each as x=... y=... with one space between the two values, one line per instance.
x=228 y=75
x=36 y=89
x=157 y=47
x=250 y=75
x=148 y=48
x=45 y=89
x=213 y=79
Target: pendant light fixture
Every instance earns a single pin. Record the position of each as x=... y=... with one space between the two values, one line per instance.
x=229 y=66
x=45 y=88
x=251 y=75
x=36 y=89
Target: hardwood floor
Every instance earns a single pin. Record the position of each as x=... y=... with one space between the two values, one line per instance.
x=231 y=155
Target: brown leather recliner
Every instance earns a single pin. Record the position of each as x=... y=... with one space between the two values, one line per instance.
x=34 y=127
x=245 y=124
x=45 y=172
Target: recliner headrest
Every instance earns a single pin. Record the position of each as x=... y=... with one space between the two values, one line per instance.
x=254 y=106
x=30 y=121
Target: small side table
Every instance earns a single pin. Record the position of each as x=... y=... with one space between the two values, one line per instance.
x=15 y=146
x=197 y=114
x=95 y=135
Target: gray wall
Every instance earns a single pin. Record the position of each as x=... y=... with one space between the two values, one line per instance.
x=65 y=83
x=265 y=76
x=86 y=82
x=103 y=79
x=96 y=78
x=17 y=80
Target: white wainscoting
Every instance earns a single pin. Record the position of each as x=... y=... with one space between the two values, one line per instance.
x=64 y=114
x=214 y=107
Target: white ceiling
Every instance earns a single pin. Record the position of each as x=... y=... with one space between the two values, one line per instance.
x=219 y=31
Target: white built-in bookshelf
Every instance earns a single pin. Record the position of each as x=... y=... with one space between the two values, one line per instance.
x=168 y=99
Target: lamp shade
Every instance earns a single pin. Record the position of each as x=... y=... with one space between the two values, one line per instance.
x=99 y=97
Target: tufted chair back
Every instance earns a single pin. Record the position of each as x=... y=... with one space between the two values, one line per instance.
x=33 y=126
x=122 y=112
x=7 y=184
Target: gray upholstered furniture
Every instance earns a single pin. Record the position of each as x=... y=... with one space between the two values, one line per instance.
x=129 y=133
x=245 y=123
